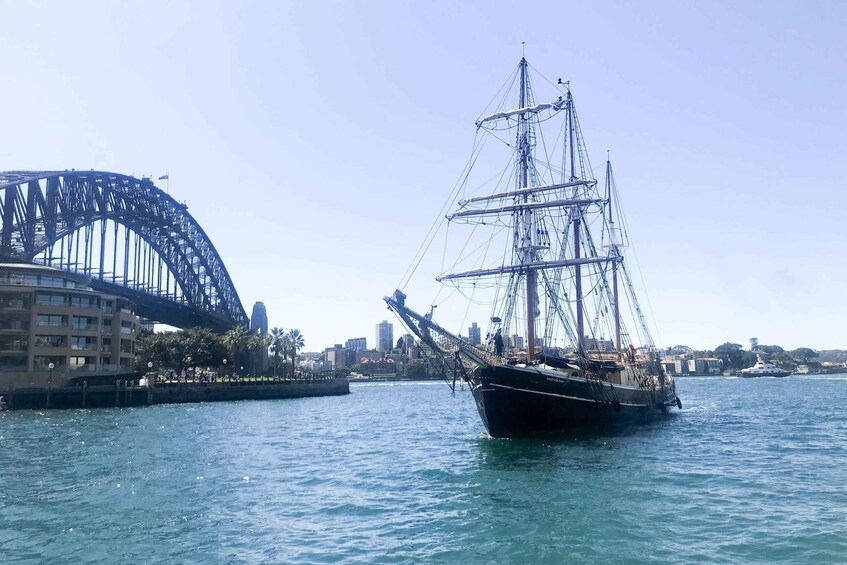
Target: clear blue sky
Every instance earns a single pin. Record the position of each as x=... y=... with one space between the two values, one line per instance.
x=316 y=141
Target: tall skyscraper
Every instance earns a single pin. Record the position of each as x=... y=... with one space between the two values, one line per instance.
x=259 y=319
x=259 y=324
x=474 y=337
x=384 y=336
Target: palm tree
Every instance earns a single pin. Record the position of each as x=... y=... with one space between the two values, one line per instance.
x=286 y=351
x=296 y=342
x=256 y=343
x=235 y=340
x=277 y=335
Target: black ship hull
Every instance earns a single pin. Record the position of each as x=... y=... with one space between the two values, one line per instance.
x=514 y=401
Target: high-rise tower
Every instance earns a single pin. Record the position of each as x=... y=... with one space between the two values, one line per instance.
x=259 y=324
x=384 y=336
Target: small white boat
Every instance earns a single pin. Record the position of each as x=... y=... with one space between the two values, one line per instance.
x=763 y=369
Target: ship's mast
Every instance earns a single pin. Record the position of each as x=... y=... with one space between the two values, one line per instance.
x=580 y=329
x=614 y=247
x=526 y=255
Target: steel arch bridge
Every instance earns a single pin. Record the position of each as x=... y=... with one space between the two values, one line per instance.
x=128 y=236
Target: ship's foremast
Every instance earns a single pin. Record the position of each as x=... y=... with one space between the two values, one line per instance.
x=577 y=221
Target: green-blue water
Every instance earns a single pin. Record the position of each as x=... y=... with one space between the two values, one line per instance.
x=752 y=470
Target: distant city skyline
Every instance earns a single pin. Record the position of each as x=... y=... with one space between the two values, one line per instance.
x=317 y=171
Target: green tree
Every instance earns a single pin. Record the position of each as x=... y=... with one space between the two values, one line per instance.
x=416 y=369
x=153 y=348
x=804 y=354
x=235 y=341
x=173 y=349
x=734 y=356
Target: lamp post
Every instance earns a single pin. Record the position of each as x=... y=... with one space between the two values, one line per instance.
x=49 y=383
x=149 y=373
x=188 y=367
x=224 y=375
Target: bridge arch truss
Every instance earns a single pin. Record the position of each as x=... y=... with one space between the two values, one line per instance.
x=128 y=236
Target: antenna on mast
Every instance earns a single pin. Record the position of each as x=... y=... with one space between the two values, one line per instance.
x=523 y=48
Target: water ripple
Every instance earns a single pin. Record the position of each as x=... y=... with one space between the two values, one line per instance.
x=751 y=471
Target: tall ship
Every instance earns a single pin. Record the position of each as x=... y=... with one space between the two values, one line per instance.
x=535 y=244
x=763 y=369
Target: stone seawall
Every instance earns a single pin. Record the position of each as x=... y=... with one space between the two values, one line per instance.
x=212 y=392
x=122 y=394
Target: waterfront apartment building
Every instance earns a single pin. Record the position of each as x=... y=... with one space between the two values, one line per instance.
x=474 y=335
x=357 y=344
x=336 y=356
x=384 y=336
x=48 y=316
x=705 y=366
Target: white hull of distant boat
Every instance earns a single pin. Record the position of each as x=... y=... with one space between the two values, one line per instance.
x=763 y=369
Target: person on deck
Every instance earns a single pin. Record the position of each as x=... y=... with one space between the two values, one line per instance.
x=498 y=343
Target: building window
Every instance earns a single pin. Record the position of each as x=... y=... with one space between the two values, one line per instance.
x=52 y=281
x=84 y=302
x=83 y=343
x=52 y=320
x=14 y=300
x=84 y=323
x=126 y=328
x=50 y=299
x=13 y=343
x=80 y=363
x=14 y=322
x=42 y=362
x=50 y=341
x=12 y=364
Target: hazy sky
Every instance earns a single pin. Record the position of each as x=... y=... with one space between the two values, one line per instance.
x=316 y=141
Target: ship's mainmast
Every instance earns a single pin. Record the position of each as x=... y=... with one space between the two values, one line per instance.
x=527 y=248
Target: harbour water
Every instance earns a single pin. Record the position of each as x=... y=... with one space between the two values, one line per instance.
x=750 y=471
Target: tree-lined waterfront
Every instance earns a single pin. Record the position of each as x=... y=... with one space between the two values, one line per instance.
x=237 y=351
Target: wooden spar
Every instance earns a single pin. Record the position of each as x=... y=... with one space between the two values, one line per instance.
x=527 y=238
x=580 y=330
x=615 y=249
